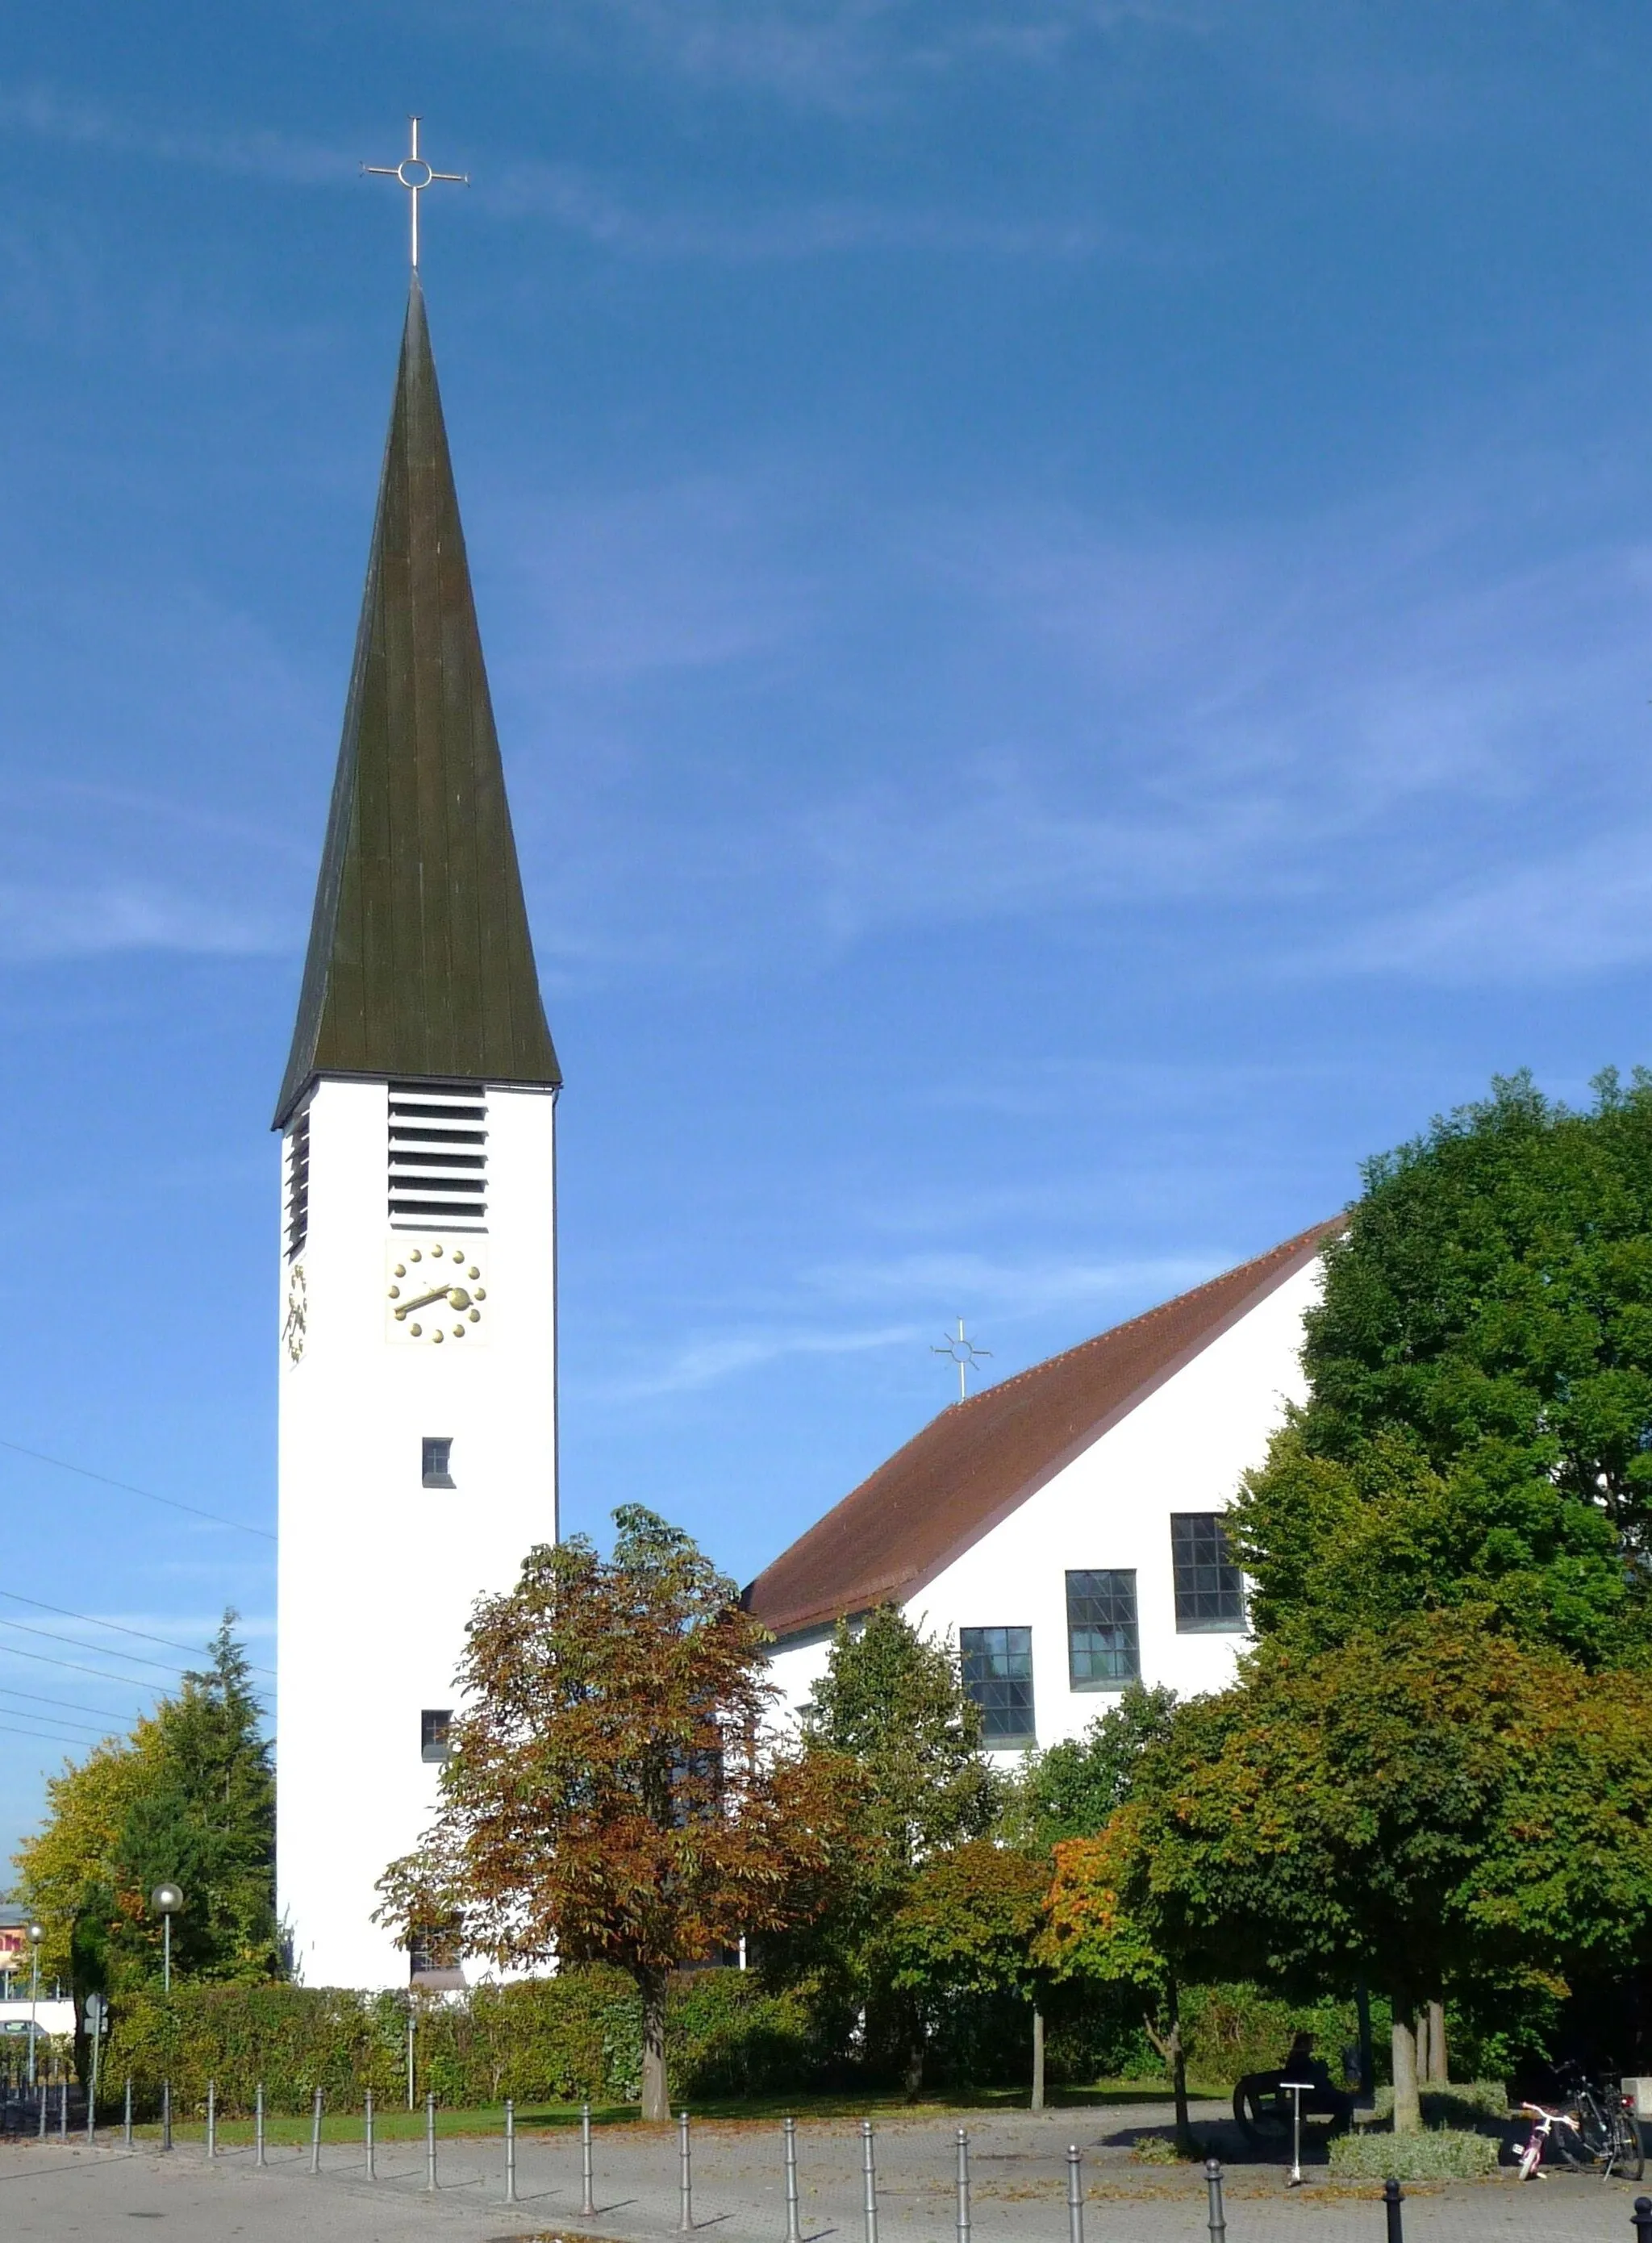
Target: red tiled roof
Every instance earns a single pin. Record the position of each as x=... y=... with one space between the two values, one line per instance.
x=979 y=1460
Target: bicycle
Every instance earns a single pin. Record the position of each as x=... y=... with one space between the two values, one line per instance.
x=1596 y=2126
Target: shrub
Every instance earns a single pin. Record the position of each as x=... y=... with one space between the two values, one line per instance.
x=1462 y=2104
x=1154 y=2149
x=1442 y=2153
x=573 y=2038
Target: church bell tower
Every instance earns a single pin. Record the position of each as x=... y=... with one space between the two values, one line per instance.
x=418 y=1244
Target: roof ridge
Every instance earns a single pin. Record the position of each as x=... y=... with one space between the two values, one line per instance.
x=976 y=1461
x=1146 y=1315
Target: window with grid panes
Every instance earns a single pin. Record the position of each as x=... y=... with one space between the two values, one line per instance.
x=1103 y=1641
x=1210 y=1588
x=998 y=1674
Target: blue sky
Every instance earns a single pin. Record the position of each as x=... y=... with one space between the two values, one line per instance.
x=1068 y=587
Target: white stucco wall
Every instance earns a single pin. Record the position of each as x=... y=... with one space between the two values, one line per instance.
x=1182 y=1449
x=377 y=1574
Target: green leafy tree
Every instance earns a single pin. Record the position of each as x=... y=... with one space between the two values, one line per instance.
x=1478 y=1426
x=206 y=1820
x=892 y=1703
x=613 y=1793
x=1071 y=1791
x=1436 y=1806
x=189 y=1796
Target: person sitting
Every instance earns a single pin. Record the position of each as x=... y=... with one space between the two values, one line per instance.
x=1307 y=2070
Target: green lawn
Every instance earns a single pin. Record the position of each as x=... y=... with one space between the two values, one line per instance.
x=395 y=2123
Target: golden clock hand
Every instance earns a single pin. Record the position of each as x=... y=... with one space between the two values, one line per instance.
x=407 y=1308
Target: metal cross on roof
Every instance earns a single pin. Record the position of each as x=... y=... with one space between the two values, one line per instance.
x=964 y=1352
x=415 y=175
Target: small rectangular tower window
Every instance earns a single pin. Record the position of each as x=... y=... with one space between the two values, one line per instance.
x=998 y=1674
x=434 y=1724
x=296 y=1195
x=438 y=1460
x=1103 y=1641
x=438 y=1156
x=1210 y=1588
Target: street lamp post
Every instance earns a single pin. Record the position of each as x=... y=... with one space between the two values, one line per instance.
x=166 y=1900
x=37 y=1933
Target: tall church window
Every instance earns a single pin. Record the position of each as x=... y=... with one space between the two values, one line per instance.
x=296 y=1196
x=437 y=1453
x=1103 y=1637
x=997 y=1665
x=434 y=1723
x=1210 y=1588
x=438 y=1156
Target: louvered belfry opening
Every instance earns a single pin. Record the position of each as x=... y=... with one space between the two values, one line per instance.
x=296 y=1196
x=438 y=1156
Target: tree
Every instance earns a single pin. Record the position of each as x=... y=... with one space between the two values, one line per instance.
x=1436 y=1806
x=613 y=1793
x=892 y=1700
x=1478 y=1426
x=892 y=1703
x=1071 y=1791
x=189 y=1796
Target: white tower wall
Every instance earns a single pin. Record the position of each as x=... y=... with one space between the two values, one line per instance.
x=378 y=1574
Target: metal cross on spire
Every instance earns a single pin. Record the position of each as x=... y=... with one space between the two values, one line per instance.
x=415 y=175
x=965 y=1354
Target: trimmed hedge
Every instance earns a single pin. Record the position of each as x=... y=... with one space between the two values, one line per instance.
x=578 y=2037
x=573 y=2038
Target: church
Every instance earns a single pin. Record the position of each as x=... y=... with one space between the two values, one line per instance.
x=1063 y=1526
x=417 y=1256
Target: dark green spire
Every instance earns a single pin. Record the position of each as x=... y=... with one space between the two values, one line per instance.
x=419 y=962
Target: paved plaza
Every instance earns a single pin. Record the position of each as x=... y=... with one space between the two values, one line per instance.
x=1018 y=2164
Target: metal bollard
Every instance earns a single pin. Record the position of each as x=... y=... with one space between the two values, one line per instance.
x=430 y=2144
x=1213 y=2190
x=258 y=2124
x=125 y=2123
x=315 y=2133
x=510 y=2149
x=165 y=2114
x=212 y=2119
x=793 y=2228
x=588 y=2203
x=1641 y=2218
x=1392 y=2197
x=869 y=2177
x=1074 y=2195
x=963 y=2185
x=63 y=2108
x=685 y=2179
x=368 y=2133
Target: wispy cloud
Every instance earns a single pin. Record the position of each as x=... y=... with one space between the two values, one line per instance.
x=38 y=922
x=43 y=113
x=1015 y=1287
x=706 y=1362
x=580 y=203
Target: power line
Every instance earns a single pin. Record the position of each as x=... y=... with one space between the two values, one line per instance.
x=39 y=1736
x=73 y=1704
x=106 y=1650
x=46 y=1659
x=140 y=1635
x=56 y=1721
x=148 y=1494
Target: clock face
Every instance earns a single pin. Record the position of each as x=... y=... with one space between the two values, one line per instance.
x=436 y=1293
x=297 y=1314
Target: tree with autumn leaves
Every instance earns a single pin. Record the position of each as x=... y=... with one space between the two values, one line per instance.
x=616 y=1792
